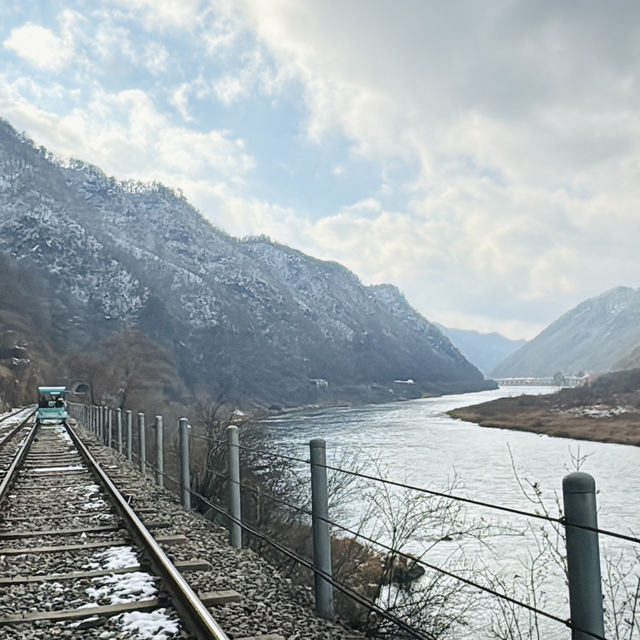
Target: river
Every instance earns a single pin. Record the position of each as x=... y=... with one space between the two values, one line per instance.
x=417 y=443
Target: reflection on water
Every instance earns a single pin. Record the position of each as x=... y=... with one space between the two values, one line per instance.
x=419 y=444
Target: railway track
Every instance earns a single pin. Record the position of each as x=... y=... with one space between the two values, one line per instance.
x=12 y=416
x=75 y=560
x=11 y=426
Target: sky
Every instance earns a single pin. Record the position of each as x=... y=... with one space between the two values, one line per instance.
x=482 y=156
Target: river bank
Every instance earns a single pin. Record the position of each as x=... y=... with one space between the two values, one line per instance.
x=606 y=411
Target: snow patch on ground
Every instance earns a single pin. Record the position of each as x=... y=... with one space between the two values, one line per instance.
x=61 y=431
x=155 y=625
x=113 y=558
x=597 y=411
x=69 y=468
x=83 y=621
x=88 y=489
x=122 y=587
x=96 y=504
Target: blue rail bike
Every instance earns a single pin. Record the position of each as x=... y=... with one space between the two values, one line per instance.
x=52 y=407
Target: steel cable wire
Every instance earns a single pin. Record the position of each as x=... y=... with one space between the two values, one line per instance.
x=354 y=594
x=496 y=507
x=426 y=564
x=529 y=514
x=303 y=561
x=306 y=563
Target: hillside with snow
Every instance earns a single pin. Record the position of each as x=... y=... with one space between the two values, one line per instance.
x=255 y=320
x=593 y=337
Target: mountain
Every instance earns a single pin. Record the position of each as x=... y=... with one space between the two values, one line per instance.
x=630 y=361
x=484 y=350
x=590 y=338
x=251 y=319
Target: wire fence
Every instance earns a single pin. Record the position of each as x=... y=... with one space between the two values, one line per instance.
x=256 y=452
x=560 y=520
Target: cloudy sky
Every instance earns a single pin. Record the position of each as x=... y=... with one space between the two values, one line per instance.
x=483 y=156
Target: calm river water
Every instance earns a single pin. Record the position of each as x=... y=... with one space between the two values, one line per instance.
x=418 y=443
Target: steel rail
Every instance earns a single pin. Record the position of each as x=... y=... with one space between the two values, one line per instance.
x=15 y=430
x=12 y=414
x=15 y=466
x=199 y=621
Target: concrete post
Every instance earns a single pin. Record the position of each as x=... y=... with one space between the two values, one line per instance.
x=119 y=428
x=233 y=463
x=159 y=452
x=185 y=478
x=320 y=526
x=583 y=556
x=128 y=417
x=109 y=426
x=101 y=423
x=142 y=444
x=105 y=411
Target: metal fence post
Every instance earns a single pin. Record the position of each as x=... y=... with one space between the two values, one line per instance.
x=233 y=463
x=105 y=412
x=159 y=452
x=109 y=426
x=320 y=526
x=142 y=444
x=128 y=417
x=583 y=556
x=185 y=478
x=101 y=424
x=119 y=428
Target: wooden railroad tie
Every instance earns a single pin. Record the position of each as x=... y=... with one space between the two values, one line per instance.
x=184 y=565
x=119 y=542
x=211 y=599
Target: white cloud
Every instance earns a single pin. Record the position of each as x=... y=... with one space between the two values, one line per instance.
x=120 y=132
x=510 y=131
x=163 y=14
x=39 y=46
x=230 y=88
x=521 y=122
x=156 y=58
x=180 y=100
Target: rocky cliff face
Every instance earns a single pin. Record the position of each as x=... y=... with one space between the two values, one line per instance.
x=256 y=320
x=590 y=338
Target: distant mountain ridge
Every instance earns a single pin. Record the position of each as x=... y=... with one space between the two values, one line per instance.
x=484 y=350
x=252 y=318
x=593 y=337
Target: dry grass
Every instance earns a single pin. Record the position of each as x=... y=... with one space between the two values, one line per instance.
x=543 y=415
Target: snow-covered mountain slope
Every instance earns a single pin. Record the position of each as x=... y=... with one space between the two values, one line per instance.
x=255 y=319
x=590 y=338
